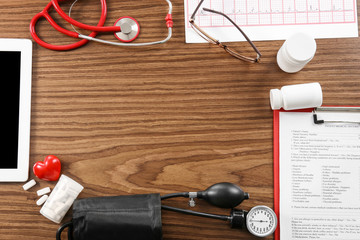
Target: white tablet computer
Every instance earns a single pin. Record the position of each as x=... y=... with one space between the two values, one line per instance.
x=16 y=70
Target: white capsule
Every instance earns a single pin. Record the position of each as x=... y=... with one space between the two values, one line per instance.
x=43 y=191
x=29 y=184
x=60 y=196
x=60 y=207
x=42 y=200
x=47 y=212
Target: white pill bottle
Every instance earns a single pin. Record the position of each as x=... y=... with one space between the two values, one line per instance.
x=298 y=96
x=296 y=52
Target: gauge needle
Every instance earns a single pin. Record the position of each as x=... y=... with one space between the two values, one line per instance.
x=258 y=221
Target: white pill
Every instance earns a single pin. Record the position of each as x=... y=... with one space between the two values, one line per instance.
x=29 y=184
x=60 y=196
x=72 y=193
x=49 y=203
x=59 y=208
x=42 y=200
x=49 y=213
x=43 y=191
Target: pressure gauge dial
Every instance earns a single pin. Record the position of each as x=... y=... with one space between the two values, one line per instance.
x=261 y=221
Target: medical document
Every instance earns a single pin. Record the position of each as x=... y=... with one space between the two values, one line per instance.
x=273 y=19
x=319 y=177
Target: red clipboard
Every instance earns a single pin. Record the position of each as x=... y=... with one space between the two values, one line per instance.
x=276 y=122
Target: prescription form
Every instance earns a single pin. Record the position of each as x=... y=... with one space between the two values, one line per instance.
x=273 y=19
x=319 y=176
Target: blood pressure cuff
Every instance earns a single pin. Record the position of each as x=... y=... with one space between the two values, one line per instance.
x=134 y=217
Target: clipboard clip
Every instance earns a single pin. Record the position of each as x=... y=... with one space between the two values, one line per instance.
x=335 y=109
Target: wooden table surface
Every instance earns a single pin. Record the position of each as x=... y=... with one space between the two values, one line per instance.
x=168 y=118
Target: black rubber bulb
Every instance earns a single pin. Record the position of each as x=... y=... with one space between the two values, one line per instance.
x=224 y=195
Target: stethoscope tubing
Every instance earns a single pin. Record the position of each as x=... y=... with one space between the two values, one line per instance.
x=169 y=26
x=89 y=38
x=45 y=14
x=95 y=29
x=70 y=20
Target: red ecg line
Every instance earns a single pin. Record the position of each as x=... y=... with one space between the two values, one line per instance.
x=277 y=12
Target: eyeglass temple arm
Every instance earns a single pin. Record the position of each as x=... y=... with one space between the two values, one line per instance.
x=196 y=9
x=246 y=37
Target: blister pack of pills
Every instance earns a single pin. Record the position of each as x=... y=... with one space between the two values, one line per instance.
x=61 y=199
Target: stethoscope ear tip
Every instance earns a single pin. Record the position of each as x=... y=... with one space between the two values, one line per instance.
x=130 y=29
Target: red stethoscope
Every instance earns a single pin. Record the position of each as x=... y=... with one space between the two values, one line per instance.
x=125 y=29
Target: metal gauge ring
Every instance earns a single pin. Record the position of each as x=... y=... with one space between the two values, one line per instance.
x=261 y=221
x=130 y=29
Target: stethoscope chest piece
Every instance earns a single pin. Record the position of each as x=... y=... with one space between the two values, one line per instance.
x=130 y=29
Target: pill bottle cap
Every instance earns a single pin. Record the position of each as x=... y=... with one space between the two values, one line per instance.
x=300 y=48
x=276 y=99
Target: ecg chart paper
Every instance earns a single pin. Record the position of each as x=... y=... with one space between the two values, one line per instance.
x=272 y=19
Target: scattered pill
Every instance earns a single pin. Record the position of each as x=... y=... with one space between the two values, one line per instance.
x=42 y=200
x=43 y=191
x=29 y=184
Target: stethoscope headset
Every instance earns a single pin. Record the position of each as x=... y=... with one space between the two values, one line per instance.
x=126 y=29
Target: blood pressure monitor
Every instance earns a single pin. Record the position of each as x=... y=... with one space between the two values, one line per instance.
x=261 y=221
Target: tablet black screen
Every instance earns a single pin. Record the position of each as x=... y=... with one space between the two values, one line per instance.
x=10 y=71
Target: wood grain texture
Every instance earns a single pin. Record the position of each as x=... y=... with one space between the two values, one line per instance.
x=169 y=118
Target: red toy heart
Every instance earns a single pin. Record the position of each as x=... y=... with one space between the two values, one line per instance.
x=49 y=169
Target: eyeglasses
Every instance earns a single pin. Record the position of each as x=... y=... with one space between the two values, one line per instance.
x=212 y=40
